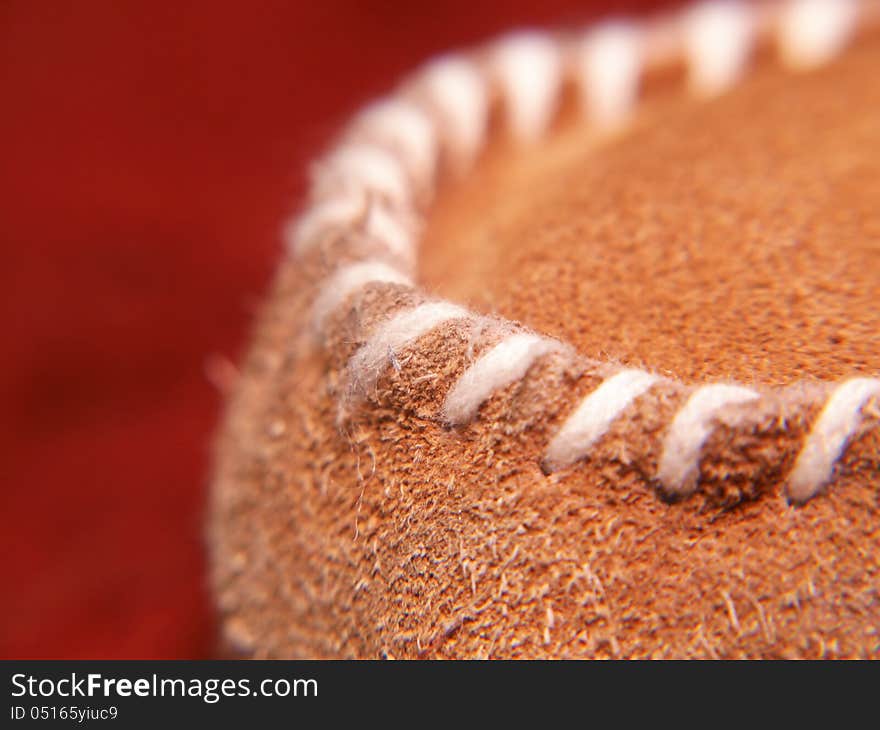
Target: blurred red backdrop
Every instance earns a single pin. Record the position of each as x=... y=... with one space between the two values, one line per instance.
x=150 y=152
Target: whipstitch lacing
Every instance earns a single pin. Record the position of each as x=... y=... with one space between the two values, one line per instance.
x=376 y=184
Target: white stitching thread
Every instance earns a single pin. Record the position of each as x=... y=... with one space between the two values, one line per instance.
x=382 y=348
x=342 y=215
x=505 y=363
x=528 y=67
x=718 y=39
x=688 y=432
x=366 y=184
x=404 y=129
x=835 y=426
x=812 y=32
x=348 y=280
x=360 y=168
x=594 y=416
x=340 y=212
x=607 y=66
x=453 y=88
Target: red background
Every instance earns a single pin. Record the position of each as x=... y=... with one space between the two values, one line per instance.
x=149 y=152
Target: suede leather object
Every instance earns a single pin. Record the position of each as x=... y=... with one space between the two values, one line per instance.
x=150 y=153
x=731 y=239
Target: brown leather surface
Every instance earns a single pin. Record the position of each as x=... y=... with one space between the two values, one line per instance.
x=737 y=238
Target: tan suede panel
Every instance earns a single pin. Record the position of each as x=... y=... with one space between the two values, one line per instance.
x=738 y=238
x=735 y=238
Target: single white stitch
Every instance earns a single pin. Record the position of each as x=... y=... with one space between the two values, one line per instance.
x=608 y=64
x=594 y=416
x=385 y=228
x=307 y=229
x=348 y=280
x=359 y=168
x=455 y=90
x=503 y=364
x=406 y=130
x=528 y=68
x=829 y=436
x=350 y=213
x=692 y=425
x=811 y=32
x=401 y=330
x=718 y=37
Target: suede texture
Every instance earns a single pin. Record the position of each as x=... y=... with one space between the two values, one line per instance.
x=731 y=239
